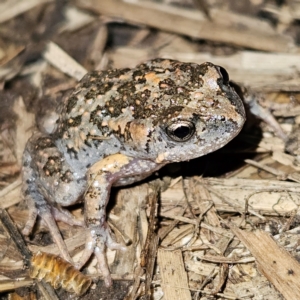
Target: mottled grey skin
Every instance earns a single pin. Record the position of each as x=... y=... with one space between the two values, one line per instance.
x=118 y=127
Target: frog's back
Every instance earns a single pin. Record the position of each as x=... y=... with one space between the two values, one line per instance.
x=104 y=102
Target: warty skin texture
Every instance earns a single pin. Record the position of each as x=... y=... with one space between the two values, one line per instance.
x=118 y=127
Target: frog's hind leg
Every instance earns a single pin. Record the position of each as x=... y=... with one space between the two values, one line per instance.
x=38 y=206
x=42 y=168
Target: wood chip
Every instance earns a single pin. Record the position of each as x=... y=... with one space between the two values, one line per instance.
x=62 y=61
x=11 y=9
x=8 y=285
x=25 y=122
x=280 y=268
x=75 y=19
x=174 y=278
x=188 y=22
x=10 y=195
x=266 y=197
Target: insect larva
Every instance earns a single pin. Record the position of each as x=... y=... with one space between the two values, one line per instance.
x=58 y=272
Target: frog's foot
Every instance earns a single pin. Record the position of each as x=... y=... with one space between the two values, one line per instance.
x=97 y=241
x=49 y=219
x=49 y=216
x=61 y=214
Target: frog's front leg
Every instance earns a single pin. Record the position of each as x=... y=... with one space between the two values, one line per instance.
x=113 y=170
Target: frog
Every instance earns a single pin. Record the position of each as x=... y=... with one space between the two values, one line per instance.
x=117 y=127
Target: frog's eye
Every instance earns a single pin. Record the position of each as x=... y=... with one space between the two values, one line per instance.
x=181 y=131
x=224 y=75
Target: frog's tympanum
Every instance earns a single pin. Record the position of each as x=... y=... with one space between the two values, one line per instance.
x=118 y=127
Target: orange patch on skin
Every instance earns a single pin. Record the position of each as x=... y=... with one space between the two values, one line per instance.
x=210 y=79
x=125 y=77
x=164 y=85
x=165 y=64
x=161 y=157
x=121 y=122
x=152 y=78
x=112 y=163
x=198 y=95
x=139 y=133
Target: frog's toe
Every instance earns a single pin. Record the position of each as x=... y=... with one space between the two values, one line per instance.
x=104 y=239
x=30 y=222
x=103 y=266
x=48 y=218
x=111 y=243
x=96 y=242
